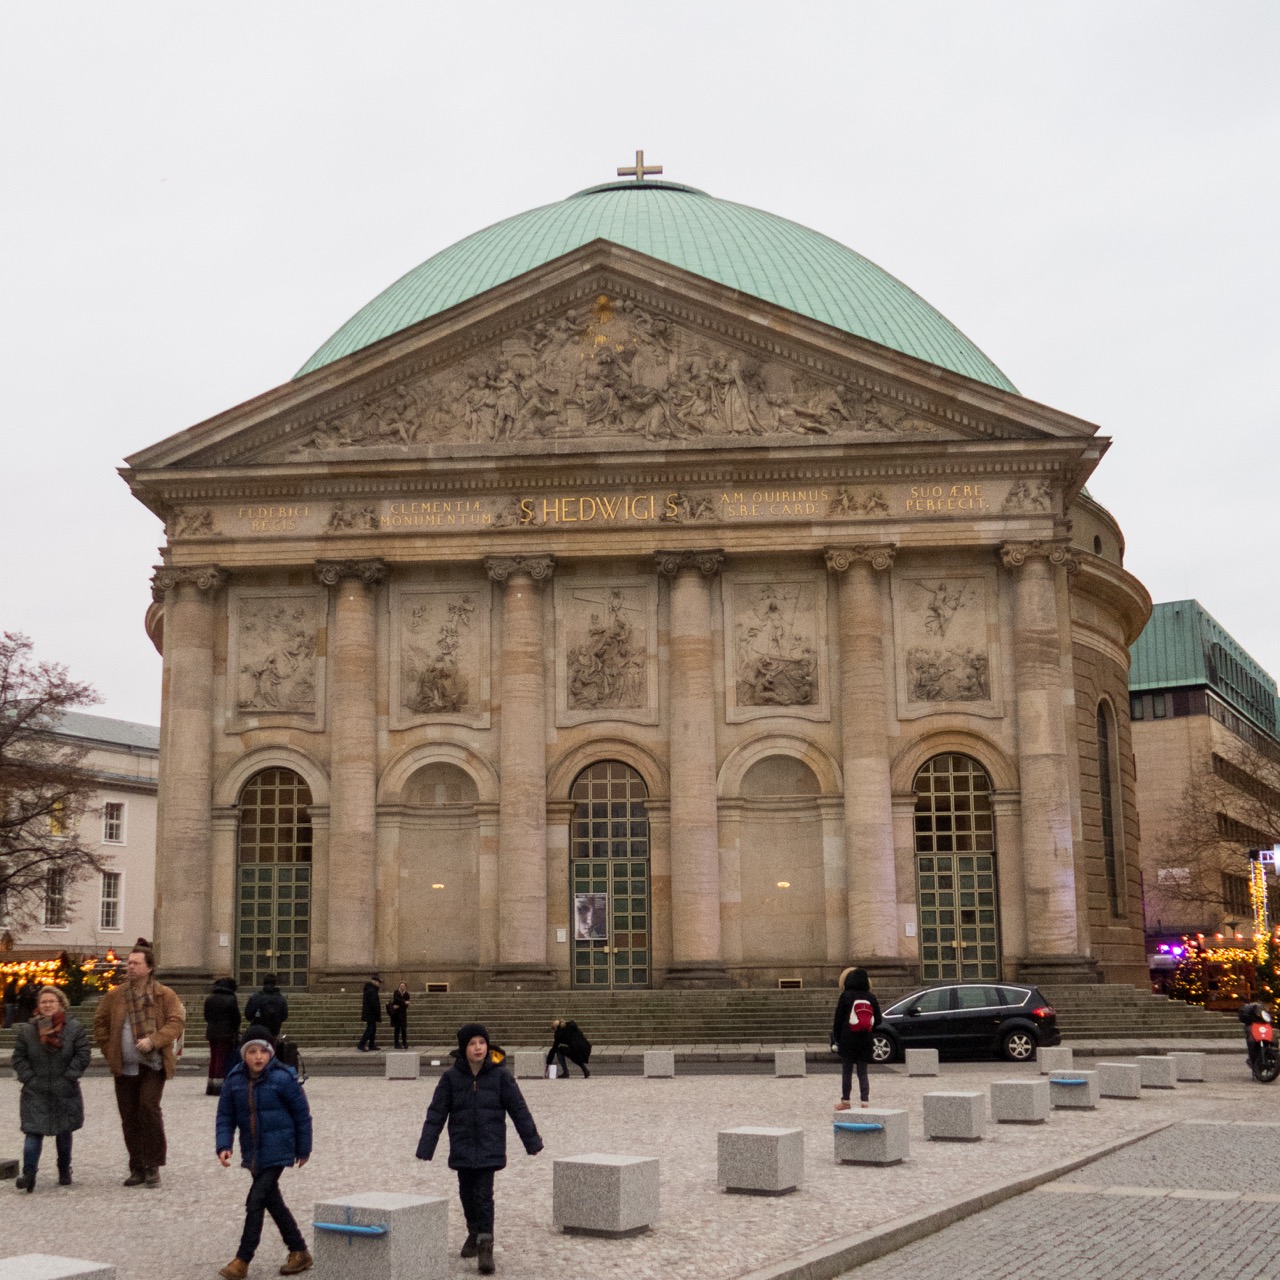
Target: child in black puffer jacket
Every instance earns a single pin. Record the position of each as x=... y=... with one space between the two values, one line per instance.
x=476 y=1095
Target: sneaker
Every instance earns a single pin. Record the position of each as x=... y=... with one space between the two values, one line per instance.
x=298 y=1261
x=236 y=1269
x=843 y=1104
x=469 y=1246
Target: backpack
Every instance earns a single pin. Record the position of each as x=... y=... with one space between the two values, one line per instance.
x=861 y=1017
x=287 y=1053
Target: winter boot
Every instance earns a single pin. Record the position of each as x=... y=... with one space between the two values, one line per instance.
x=64 y=1175
x=469 y=1246
x=26 y=1181
x=152 y=1177
x=136 y=1178
x=298 y=1261
x=236 y=1269
x=484 y=1252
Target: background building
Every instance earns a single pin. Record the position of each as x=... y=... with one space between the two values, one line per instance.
x=94 y=912
x=1208 y=758
x=645 y=590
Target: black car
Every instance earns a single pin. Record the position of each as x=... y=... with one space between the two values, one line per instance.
x=968 y=1018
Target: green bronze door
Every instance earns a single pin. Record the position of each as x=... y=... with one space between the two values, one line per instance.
x=609 y=878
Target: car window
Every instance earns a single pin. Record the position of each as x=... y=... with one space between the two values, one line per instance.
x=934 y=1001
x=978 y=997
x=1015 y=995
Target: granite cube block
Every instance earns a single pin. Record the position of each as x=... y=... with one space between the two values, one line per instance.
x=1020 y=1101
x=1073 y=1090
x=1188 y=1066
x=604 y=1195
x=8 y=1170
x=401 y=1066
x=49 y=1266
x=960 y=1117
x=876 y=1135
x=1119 y=1080
x=527 y=1064
x=1158 y=1072
x=789 y=1062
x=921 y=1062
x=1059 y=1059
x=760 y=1161
x=659 y=1062
x=415 y=1245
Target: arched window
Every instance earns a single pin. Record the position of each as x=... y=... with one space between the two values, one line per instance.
x=609 y=875
x=1108 y=793
x=273 y=879
x=955 y=840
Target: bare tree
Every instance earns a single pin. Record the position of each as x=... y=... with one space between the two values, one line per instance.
x=44 y=788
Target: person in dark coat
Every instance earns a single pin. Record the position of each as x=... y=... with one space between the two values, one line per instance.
x=25 y=1008
x=476 y=1096
x=221 y=1030
x=268 y=1008
x=856 y=1003
x=398 y=1010
x=262 y=1098
x=10 y=1001
x=371 y=1013
x=567 y=1041
x=50 y=1055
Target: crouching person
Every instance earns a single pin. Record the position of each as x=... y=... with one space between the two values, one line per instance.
x=264 y=1101
x=476 y=1096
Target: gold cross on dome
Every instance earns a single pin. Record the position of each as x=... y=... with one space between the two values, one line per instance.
x=639 y=171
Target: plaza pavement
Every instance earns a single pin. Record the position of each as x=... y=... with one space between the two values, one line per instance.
x=367 y=1128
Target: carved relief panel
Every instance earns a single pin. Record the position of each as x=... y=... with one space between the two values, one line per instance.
x=606 y=650
x=946 y=641
x=439 y=654
x=275 y=658
x=775 y=645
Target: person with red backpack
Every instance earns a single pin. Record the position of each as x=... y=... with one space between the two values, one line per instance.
x=857 y=1016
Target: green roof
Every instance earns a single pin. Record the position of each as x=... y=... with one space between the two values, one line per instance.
x=745 y=249
x=1184 y=646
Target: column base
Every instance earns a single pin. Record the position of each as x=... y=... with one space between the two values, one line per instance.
x=518 y=977
x=344 y=979
x=1048 y=971
x=697 y=975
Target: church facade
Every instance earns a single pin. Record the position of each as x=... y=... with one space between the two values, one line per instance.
x=611 y=620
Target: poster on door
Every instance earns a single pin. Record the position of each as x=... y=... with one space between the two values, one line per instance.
x=591 y=917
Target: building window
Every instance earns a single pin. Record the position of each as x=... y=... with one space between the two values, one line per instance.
x=1235 y=896
x=109 y=912
x=1157 y=706
x=58 y=820
x=1135 y=707
x=113 y=822
x=55 y=899
x=1107 y=790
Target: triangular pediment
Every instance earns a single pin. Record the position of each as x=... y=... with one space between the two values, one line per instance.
x=603 y=350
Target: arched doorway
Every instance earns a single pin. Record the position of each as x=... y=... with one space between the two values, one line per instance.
x=956 y=871
x=609 y=878
x=273 y=879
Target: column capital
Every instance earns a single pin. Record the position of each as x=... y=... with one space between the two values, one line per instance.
x=204 y=577
x=1057 y=551
x=503 y=567
x=879 y=555
x=370 y=572
x=708 y=562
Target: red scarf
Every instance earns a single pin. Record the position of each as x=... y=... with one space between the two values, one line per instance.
x=49 y=1029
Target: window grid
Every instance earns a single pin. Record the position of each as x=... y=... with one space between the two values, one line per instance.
x=113 y=822
x=109 y=911
x=55 y=899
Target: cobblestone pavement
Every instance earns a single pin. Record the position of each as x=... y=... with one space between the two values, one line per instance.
x=366 y=1130
x=1194 y=1200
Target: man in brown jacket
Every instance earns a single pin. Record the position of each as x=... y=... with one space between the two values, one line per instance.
x=135 y=1027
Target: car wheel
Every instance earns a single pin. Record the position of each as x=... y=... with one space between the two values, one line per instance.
x=1018 y=1046
x=882 y=1048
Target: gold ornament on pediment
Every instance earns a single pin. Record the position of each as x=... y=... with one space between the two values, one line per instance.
x=610 y=368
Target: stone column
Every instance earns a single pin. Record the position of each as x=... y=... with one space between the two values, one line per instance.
x=522 y=766
x=1048 y=847
x=186 y=945
x=696 y=959
x=353 y=766
x=864 y=731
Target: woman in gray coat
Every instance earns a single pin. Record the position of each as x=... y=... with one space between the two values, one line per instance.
x=49 y=1057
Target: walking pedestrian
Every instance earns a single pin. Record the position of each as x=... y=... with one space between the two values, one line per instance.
x=398 y=1009
x=262 y=1098
x=567 y=1041
x=221 y=1030
x=268 y=1008
x=371 y=1013
x=857 y=1016
x=50 y=1055
x=135 y=1028
x=475 y=1096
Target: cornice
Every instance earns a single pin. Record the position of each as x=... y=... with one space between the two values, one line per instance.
x=1117 y=589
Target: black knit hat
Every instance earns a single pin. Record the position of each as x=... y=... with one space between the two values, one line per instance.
x=258 y=1035
x=468 y=1032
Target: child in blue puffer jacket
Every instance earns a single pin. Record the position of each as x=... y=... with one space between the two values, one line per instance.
x=263 y=1099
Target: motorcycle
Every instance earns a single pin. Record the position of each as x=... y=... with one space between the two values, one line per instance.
x=1264 y=1055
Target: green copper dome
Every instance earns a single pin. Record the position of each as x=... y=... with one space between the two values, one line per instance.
x=746 y=249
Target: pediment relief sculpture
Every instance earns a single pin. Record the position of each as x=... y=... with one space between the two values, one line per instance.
x=276 y=661
x=439 y=654
x=191 y=522
x=612 y=369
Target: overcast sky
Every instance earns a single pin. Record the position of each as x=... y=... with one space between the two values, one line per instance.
x=195 y=197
